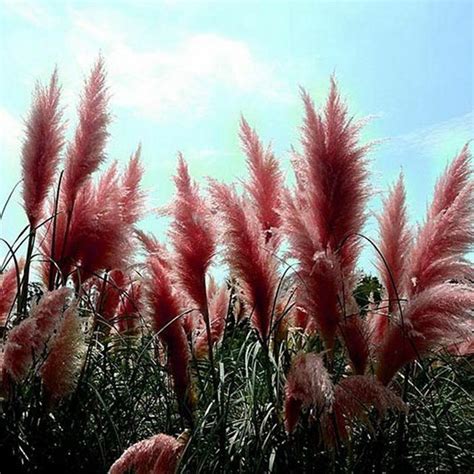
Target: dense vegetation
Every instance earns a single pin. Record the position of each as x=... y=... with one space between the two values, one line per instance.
x=120 y=352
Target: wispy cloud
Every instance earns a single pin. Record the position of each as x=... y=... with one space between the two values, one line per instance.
x=30 y=10
x=157 y=82
x=439 y=138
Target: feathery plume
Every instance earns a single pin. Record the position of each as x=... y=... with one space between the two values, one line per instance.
x=437 y=311
x=336 y=175
x=18 y=354
x=395 y=240
x=152 y=246
x=319 y=271
x=354 y=333
x=456 y=176
x=434 y=318
x=132 y=198
x=462 y=349
x=354 y=396
x=448 y=234
x=104 y=240
x=308 y=385
x=41 y=148
x=165 y=307
x=159 y=454
x=60 y=370
x=300 y=319
x=29 y=340
x=266 y=181
x=86 y=152
x=193 y=237
x=321 y=220
x=218 y=307
x=8 y=291
x=249 y=256
x=375 y=327
x=98 y=228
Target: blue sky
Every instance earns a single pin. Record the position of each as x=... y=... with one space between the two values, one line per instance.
x=182 y=72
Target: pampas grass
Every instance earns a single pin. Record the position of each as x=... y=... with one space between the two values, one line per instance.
x=293 y=361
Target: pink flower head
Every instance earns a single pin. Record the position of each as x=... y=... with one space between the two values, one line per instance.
x=395 y=245
x=8 y=291
x=159 y=454
x=41 y=148
x=60 y=370
x=165 y=307
x=266 y=181
x=193 y=236
x=86 y=152
x=218 y=306
x=249 y=255
x=354 y=397
x=448 y=234
x=29 y=341
x=308 y=385
x=336 y=176
x=435 y=318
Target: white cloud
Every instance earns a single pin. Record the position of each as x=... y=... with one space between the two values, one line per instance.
x=31 y=11
x=158 y=81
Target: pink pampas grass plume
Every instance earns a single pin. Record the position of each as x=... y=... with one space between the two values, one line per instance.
x=376 y=324
x=355 y=335
x=103 y=241
x=434 y=318
x=456 y=176
x=18 y=352
x=300 y=319
x=46 y=315
x=96 y=235
x=193 y=237
x=308 y=385
x=159 y=454
x=8 y=291
x=153 y=247
x=394 y=244
x=29 y=340
x=132 y=198
x=437 y=310
x=461 y=349
x=248 y=255
x=165 y=307
x=266 y=181
x=336 y=175
x=448 y=233
x=60 y=371
x=327 y=210
x=41 y=148
x=319 y=271
x=218 y=298
x=354 y=397
x=86 y=152
x=464 y=346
